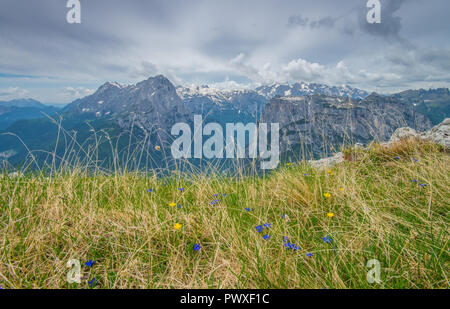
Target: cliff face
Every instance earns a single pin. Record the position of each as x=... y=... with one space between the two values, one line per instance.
x=320 y=124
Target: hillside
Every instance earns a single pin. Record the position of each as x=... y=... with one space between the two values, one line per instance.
x=300 y=227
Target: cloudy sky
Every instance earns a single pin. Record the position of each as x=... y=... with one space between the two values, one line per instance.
x=228 y=43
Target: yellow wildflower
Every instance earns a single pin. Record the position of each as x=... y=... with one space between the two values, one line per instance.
x=173 y=204
x=330 y=215
x=327 y=195
x=177 y=226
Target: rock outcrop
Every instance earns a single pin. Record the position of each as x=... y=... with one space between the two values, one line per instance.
x=403 y=133
x=440 y=134
x=327 y=162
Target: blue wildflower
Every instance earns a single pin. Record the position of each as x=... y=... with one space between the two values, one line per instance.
x=197 y=247
x=397 y=158
x=266 y=237
x=259 y=228
x=216 y=195
x=415 y=160
x=91 y=283
x=289 y=245
x=309 y=254
x=414 y=180
x=247 y=209
x=327 y=239
x=150 y=190
x=181 y=189
x=214 y=202
x=423 y=185
x=179 y=206
x=90 y=263
x=224 y=195
x=267 y=225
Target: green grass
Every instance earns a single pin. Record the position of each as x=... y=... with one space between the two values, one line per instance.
x=379 y=213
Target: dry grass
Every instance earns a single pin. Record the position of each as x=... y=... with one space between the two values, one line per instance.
x=379 y=213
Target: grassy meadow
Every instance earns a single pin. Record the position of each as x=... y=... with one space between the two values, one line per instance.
x=298 y=227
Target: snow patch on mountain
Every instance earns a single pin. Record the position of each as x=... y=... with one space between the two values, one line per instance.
x=303 y=88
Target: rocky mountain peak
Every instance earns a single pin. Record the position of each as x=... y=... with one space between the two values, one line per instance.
x=150 y=104
x=158 y=84
x=108 y=86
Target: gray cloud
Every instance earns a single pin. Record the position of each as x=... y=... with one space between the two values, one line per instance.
x=390 y=25
x=13 y=93
x=439 y=58
x=327 y=22
x=222 y=42
x=300 y=21
x=297 y=21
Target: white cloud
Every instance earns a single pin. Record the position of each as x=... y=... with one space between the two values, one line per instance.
x=300 y=69
x=230 y=84
x=73 y=93
x=13 y=93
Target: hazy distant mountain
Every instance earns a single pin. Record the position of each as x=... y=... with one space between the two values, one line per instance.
x=435 y=103
x=14 y=110
x=21 y=103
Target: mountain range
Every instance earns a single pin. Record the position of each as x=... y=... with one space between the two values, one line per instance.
x=118 y=119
